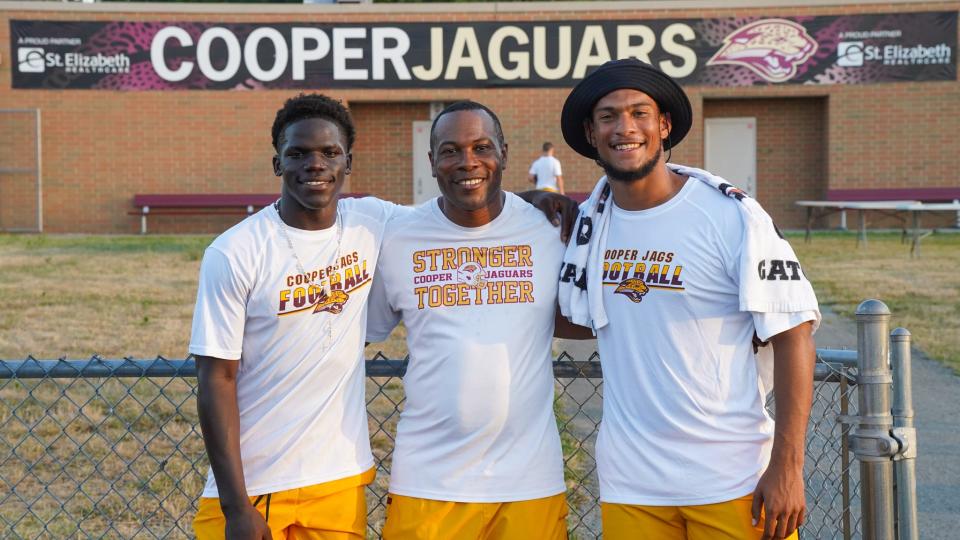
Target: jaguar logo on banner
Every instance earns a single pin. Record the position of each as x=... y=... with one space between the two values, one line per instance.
x=771 y=48
x=733 y=51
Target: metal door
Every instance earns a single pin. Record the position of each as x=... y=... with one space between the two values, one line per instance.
x=730 y=151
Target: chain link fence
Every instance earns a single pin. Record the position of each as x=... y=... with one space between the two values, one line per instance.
x=112 y=448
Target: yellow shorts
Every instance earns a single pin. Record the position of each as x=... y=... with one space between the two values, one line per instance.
x=410 y=518
x=334 y=510
x=729 y=520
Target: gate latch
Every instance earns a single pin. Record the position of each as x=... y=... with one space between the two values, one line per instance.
x=906 y=437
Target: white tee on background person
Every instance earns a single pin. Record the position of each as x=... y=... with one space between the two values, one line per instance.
x=546 y=169
x=300 y=384
x=478 y=305
x=684 y=421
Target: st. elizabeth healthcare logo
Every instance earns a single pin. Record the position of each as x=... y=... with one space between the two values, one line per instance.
x=850 y=54
x=30 y=60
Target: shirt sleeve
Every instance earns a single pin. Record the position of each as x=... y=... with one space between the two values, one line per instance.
x=557 y=171
x=394 y=211
x=770 y=324
x=381 y=317
x=768 y=273
x=379 y=209
x=220 y=312
x=533 y=168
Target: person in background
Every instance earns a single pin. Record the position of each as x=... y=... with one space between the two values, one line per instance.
x=545 y=172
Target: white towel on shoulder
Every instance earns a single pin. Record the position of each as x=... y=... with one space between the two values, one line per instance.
x=581 y=304
x=786 y=294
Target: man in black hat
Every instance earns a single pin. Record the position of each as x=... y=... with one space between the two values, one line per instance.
x=679 y=273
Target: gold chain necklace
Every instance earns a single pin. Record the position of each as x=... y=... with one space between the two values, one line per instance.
x=325 y=287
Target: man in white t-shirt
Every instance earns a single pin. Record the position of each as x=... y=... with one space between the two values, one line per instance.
x=678 y=272
x=472 y=275
x=545 y=172
x=278 y=335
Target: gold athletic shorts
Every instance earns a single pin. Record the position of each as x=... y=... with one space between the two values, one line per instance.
x=729 y=520
x=334 y=510
x=411 y=518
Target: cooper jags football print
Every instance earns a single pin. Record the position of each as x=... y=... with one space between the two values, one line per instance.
x=635 y=273
x=324 y=290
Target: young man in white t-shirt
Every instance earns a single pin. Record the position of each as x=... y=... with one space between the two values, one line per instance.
x=545 y=172
x=686 y=448
x=472 y=275
x=278 y=336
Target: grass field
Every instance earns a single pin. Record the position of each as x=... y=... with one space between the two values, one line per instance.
x=124 y=456
x=75 y=296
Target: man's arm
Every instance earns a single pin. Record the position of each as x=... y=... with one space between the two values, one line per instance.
x=532 y=178
x=564 y=329
x=220 y=424
x=560 y=185
x=562 y=211
x=780 y=491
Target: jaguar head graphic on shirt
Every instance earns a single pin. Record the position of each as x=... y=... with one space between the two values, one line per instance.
x=632 y=288
x=771 y=48
x=333 y=302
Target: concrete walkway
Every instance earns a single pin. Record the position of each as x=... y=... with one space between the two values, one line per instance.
x=936 y=394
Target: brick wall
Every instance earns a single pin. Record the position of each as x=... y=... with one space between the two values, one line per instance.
x=383 y=153
x=101 y=147
x=894 y=136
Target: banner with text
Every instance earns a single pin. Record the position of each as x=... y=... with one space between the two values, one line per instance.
x=123 y=55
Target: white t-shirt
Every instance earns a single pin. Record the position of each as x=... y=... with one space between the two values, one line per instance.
x=546 y=169
x=300 y=386
x=684 y=421
x=478 y=304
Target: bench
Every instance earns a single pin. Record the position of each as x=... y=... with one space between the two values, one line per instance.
x=202 y=204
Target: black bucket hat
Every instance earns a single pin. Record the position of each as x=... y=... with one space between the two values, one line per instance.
x=616 y=75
